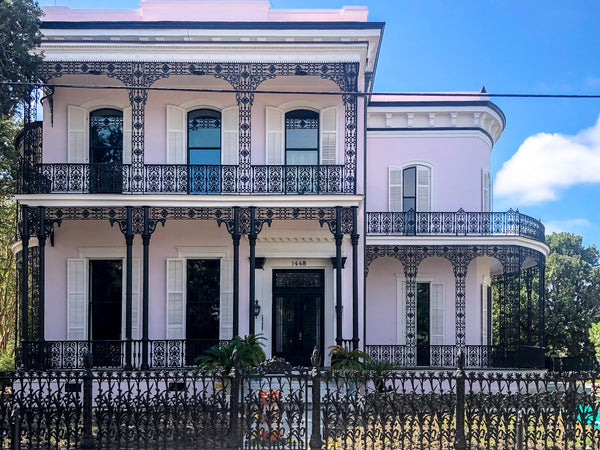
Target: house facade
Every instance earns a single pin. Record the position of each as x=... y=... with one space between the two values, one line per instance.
x=205 y=170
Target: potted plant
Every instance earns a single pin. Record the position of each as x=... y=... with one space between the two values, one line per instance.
x=344 y=359
x=249 y=350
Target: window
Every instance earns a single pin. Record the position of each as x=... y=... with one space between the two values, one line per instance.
x=106 y=150
x=410 y=188
x=302 y=137
x=204 y=137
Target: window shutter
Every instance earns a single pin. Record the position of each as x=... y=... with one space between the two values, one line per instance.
x=423 y=189
x=395 y=189
x=77 y=299
x=484 y=314
x=329 y=136
x=230 y=136
x=175 y=298
x=176 y=128
x=135 y=299
x=400 y=311
x=127 y=135
x=274 y=139
x=485 y=191
x=76 y=140
x=436 y=316
x=226 y=282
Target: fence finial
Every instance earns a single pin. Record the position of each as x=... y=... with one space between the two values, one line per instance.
x=460 y=359
x=315 y=357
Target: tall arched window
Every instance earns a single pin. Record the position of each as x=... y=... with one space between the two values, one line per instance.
x=204 y=151
x=106 y=150
x=302 y=137
x=410 y=188
x=204 y=137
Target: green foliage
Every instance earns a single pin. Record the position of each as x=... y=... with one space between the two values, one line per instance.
x=19 y=34
x=250 y=352
x=594 y=333
x=344 y=359
x=379 y=367
x=572 y=295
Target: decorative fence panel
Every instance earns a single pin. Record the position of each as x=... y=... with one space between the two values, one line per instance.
x=299 y=408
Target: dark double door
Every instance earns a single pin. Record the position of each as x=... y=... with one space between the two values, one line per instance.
x=298 y=319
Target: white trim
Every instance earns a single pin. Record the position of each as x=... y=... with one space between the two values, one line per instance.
x=187 y=200
x=292 y=105
x=459 y=240
x=17 y=246
x=100 y=103
x=458 y=133
x=202 y=252
x=203 y=103
x=416 y=163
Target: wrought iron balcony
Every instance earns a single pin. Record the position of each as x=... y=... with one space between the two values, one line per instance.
x=460 y=223
x=476 y=356
x=181 y=179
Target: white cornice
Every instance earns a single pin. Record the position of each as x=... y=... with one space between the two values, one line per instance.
x=193 y=201
x=403 y=118
x=432 y=133
x=459 y=240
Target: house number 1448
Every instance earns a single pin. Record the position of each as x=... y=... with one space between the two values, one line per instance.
x=299 y=263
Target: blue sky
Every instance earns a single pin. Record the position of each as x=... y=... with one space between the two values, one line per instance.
x=547 y=162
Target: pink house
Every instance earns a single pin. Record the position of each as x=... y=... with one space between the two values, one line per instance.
x=211 y=169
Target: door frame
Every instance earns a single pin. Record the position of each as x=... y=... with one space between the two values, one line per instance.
x=322 y=294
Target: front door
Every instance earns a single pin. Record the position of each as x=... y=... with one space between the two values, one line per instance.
x=298 y=320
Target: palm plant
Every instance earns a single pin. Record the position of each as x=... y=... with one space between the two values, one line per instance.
x=249 y=349
x=344 y=359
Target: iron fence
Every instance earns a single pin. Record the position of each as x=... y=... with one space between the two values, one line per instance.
x=181 y=179
x=459 y=223
x=277 y=406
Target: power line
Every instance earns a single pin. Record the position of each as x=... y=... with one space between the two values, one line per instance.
x=478 y=95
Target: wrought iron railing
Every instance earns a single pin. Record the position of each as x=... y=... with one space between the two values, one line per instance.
x=181 y=179
x=476 y=356
x=173 y=353
x=275 y=406
x=460 y=223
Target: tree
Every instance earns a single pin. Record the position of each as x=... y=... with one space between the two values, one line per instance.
x=572 y=295
x=19 y=36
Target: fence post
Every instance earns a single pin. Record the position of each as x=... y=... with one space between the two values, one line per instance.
x=460 y=442
x=15 y=438
x=233 y=440
x=315 y=438
x=87 y=438
x=519 y=431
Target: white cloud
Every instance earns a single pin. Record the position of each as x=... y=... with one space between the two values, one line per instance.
x=546 y=164
x=575 y=226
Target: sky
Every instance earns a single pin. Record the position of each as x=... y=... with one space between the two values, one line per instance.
x=547 y=162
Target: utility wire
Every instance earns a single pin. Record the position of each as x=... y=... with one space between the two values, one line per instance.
x=276 y=91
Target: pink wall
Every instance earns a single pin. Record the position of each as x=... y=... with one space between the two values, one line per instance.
x=73 y=235
x=55 y=137
x=381 y=298
x=457 y=162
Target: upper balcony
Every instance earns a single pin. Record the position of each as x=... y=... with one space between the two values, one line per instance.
x=460 y=223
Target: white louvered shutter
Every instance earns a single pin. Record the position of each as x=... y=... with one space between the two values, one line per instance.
x=395 y=189
x=400 y=311
x=484 y=314
x=485 y=191
x=274 y=139
x=230 y=136
x=423 y=189
x=127 y=145
x=329 y=136
x=76 y=139
x=226 y=283
x=436 y=316
x=135 y=299
x=176 y=128
x=77 y=299
x=175 y=298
